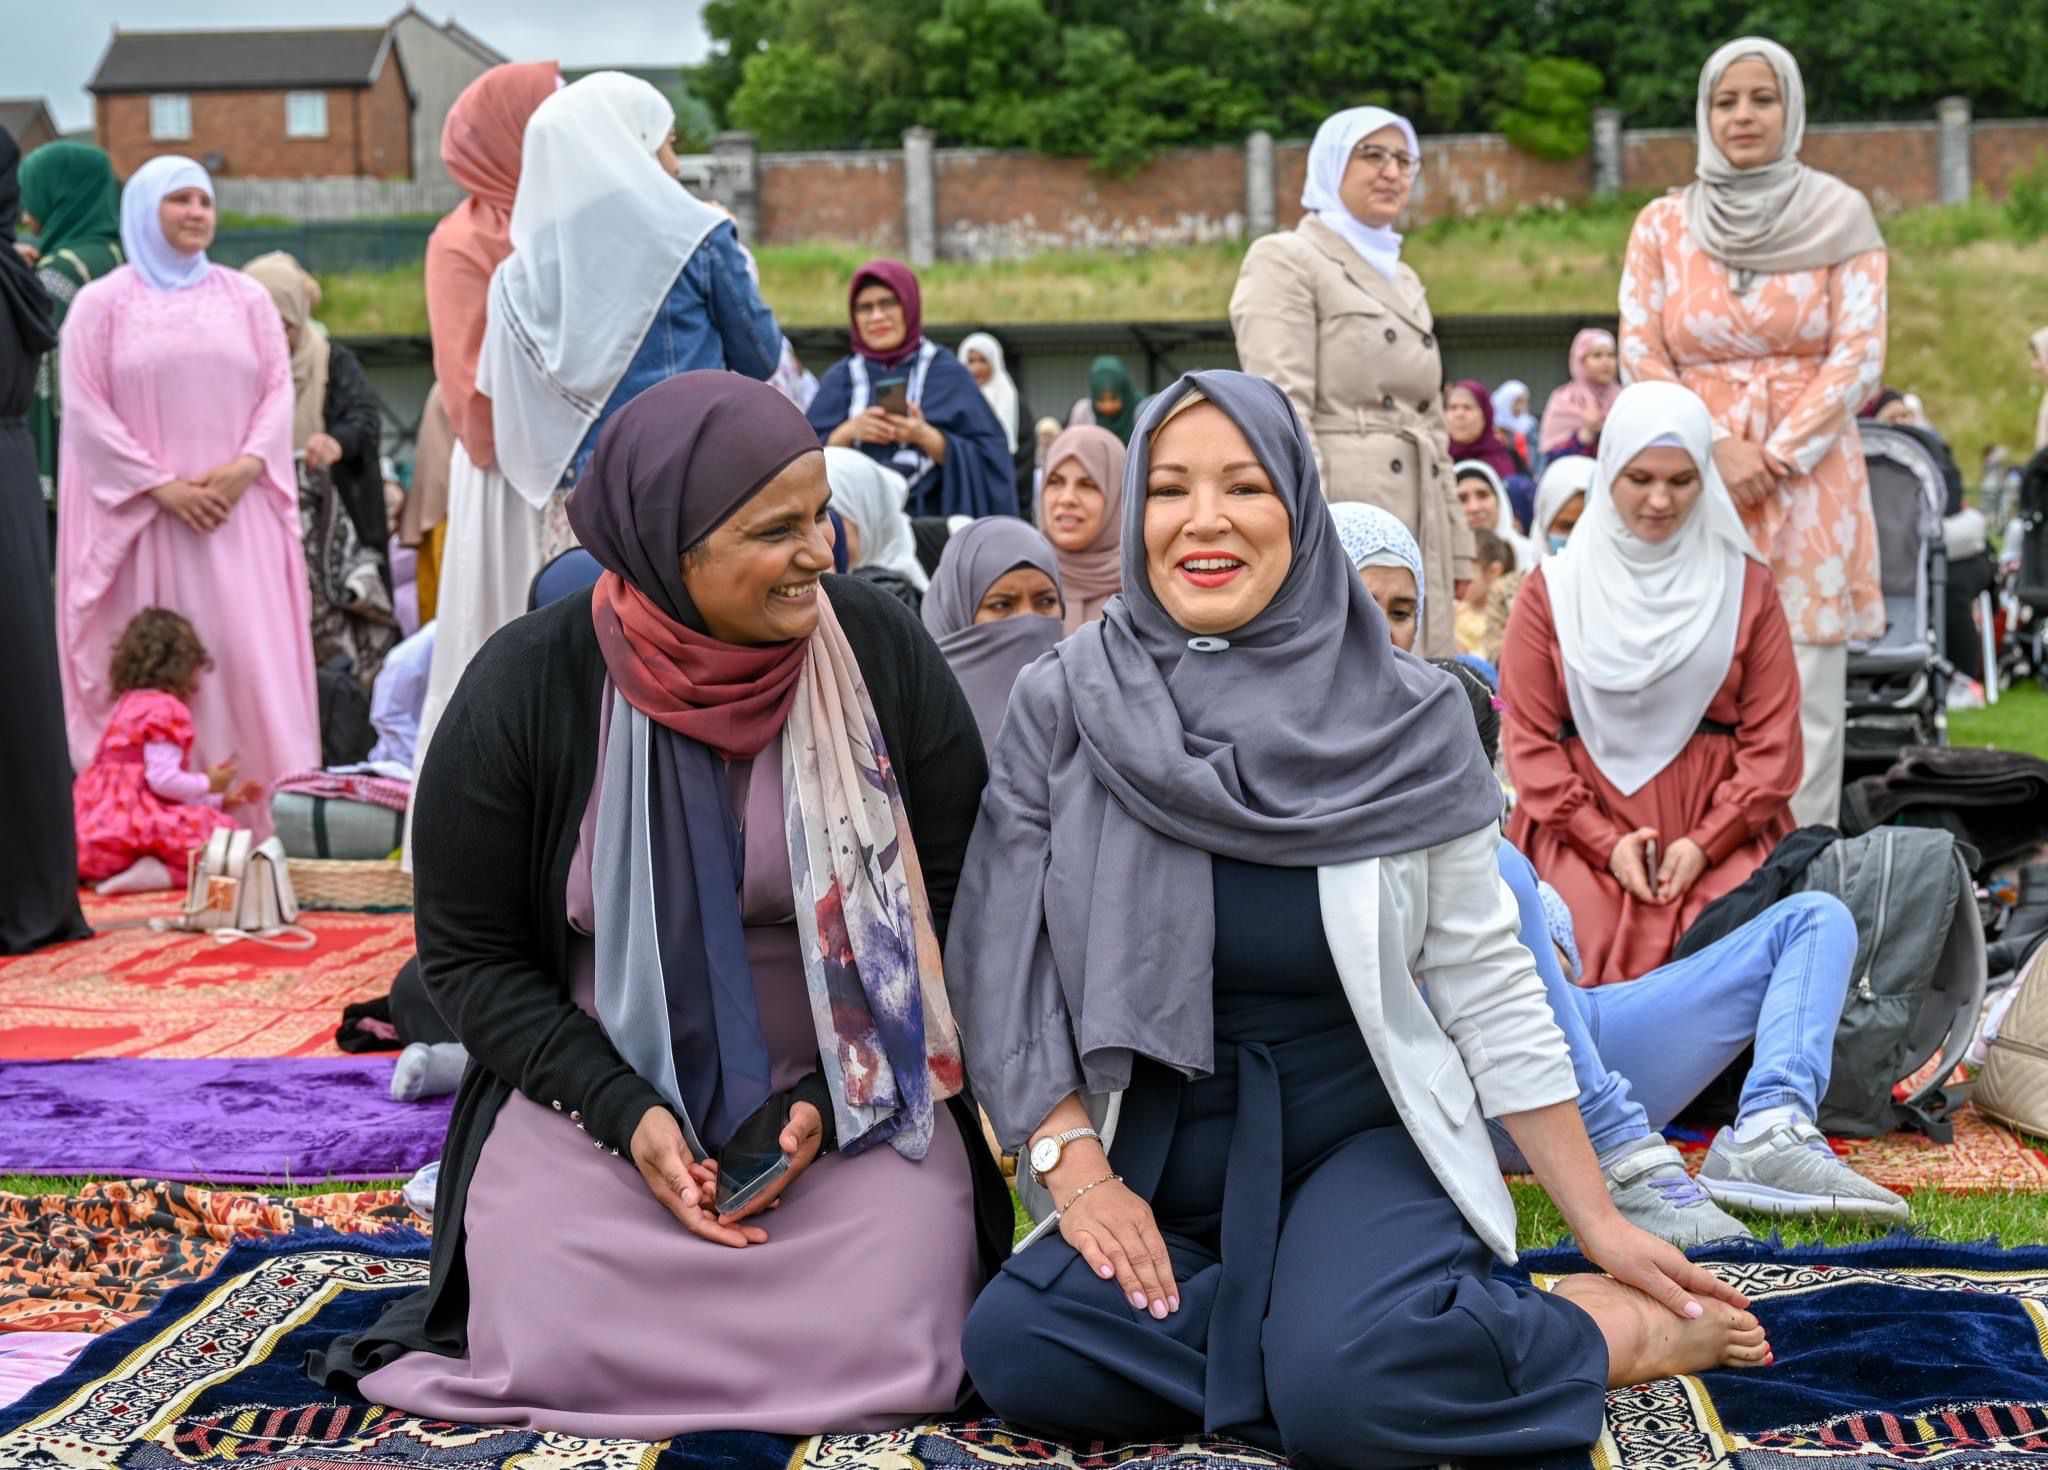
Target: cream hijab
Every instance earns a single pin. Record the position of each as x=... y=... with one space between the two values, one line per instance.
x=297 y=295
x=1001 y=389
x=1779 y=216
x=1321 y=194
x=1648 y=630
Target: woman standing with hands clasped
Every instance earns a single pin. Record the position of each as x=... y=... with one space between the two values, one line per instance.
x=1761 y=287
x=1331 y=313
x=1238 y=1026
x=179 y=486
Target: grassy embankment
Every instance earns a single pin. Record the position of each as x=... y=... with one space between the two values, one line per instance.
x=1965 y=292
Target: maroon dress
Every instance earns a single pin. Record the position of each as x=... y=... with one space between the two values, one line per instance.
x=594 y=1312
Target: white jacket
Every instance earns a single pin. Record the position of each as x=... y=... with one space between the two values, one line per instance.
x=1428 y=947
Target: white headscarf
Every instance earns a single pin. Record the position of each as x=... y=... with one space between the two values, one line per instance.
x=1522 y=553
x=600 y=231
x=1504 y=413
x=872 y=496
x=1328 y=157
x=1000 y=390
x=156 y=260
x=1778 y=216
x=1648 y=630
x=1372 y=537
x=1570 y=475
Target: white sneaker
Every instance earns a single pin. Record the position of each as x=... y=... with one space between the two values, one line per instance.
x=1792 y=1171
x=1650 y=1187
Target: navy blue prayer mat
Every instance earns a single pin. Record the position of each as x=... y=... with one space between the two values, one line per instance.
x=1907 y=1354
x=1904 y=1353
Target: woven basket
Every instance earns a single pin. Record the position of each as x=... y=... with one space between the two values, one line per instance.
x=326 y=883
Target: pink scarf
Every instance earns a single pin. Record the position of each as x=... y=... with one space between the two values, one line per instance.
x=1570 y=405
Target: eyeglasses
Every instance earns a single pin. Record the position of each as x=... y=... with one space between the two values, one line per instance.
x=1377 y=158
x=880 y=306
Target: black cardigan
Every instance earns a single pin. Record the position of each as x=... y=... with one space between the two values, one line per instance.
x=506 y=781
x=357 y=425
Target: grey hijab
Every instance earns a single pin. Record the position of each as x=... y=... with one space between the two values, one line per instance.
x=987 y=657
x=1135 y=753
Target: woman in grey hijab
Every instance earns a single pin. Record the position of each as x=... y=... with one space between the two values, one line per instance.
x=993 y=607
x=1243 y=985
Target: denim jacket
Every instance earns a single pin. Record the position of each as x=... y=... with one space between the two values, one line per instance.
x=713 y=318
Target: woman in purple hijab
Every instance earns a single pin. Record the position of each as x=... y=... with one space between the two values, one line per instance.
x=673 y=977
x=1242 y=986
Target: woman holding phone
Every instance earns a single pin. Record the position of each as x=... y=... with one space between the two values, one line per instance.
x=906 y=402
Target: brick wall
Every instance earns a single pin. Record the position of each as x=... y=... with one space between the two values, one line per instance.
x=369 y=132
x=848 y=198
x=1005 y=204
x=1998 y=150
x=384 y=129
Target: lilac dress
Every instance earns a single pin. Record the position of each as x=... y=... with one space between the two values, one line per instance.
x=594 y=1312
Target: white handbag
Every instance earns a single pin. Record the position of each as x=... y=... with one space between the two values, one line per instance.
x=238 y=888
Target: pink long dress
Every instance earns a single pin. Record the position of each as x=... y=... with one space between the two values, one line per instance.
x=163 y=385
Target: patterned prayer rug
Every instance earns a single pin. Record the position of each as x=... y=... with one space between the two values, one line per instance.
x=1903 y=1354
x=101 y=1258
x=1986 y=1157
x=128 y=992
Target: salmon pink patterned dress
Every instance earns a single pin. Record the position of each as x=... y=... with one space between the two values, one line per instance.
x=120 y=818
x=1785 y=365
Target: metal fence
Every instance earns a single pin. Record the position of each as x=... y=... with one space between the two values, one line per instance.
x=330 y=246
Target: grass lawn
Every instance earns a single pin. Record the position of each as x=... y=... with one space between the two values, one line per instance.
x=1965 y=292
x=2019 y=721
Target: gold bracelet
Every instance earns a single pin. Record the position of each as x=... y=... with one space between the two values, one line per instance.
x=1105 y=1179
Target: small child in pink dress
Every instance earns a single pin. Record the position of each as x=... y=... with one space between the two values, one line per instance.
x=140 y=813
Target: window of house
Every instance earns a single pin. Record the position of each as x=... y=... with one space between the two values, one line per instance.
x=170 y=115
x=305 y=114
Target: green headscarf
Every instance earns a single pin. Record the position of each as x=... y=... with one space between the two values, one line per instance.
x=1107 y=374
x=70 y=189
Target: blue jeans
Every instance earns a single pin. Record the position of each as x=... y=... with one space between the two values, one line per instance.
x=1645 y=1048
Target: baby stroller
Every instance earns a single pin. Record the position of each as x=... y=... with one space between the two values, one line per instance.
x=1898 y=683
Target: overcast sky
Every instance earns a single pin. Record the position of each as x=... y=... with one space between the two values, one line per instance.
x=52 y=46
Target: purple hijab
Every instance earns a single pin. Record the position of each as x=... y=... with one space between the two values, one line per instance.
x=675 y=989
x=1134 y=754
x=987 y=657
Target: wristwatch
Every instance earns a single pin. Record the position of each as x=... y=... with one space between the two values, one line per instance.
x=1045 y=1152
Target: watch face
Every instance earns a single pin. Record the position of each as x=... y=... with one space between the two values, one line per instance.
x=1045 y=1155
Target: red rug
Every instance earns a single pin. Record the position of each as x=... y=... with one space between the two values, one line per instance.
x=128 y=992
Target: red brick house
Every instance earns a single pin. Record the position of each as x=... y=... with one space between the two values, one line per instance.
x=291 y=104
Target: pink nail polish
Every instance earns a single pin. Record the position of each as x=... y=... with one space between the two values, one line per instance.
x=1694 y=1309
x=1138 y=1300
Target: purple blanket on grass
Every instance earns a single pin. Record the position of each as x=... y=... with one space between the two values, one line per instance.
x=262 y=1120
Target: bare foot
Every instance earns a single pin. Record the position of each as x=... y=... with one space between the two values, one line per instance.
x=1645 y=1340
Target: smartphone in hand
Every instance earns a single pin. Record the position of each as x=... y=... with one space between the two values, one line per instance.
x=892 y=395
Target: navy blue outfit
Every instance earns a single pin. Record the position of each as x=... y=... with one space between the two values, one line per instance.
x=976 y=477
x=1335 y=1305
x=713 y=317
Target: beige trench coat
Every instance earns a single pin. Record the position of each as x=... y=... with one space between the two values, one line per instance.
x=1357 y=354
